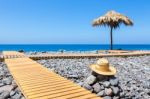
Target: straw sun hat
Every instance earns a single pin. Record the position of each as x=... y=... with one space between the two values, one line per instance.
x=102 y=67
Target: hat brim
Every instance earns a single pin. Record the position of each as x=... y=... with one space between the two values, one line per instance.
x=111 y=72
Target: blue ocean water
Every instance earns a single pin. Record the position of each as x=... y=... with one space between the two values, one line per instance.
x=70 y=47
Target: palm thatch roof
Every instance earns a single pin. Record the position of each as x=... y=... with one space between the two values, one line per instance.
x=112 y=19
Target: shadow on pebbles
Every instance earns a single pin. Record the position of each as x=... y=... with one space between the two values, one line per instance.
x=8 y=87
x=133 y=74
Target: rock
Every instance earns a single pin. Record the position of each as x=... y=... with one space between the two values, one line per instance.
x=16 y=96
x=8 y=74
x=102 y=87
x=7 y=81
x=108 y=91
x=72 y=76
x=43 y=62
x=148 y=93
x=87 y=86
x=2 y=73
x=106 y=84
x=1 y=84
x=5 y=95
x=43 y=52
x=61 y=51
x=80 y=83
x=114 y=82
x=12 y=93
x=107 y=97
x=6 y=88
x=146 y=84
x=1 y=91
x=115 y=90
x=17 y=90
x=14 y=85
x=129 y=95
x=21 y=51
x=1 y=68
x=116 y=97
x=122 y=94
x=90 y=80
x=1 y=97
x=101 y=93
x=97 y=87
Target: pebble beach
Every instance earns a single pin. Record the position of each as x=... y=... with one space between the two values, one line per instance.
x=133 y=73
x=132 y=78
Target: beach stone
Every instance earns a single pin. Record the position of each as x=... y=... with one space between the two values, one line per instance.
x=106 y=84
x=21 y=51
x=72 y=76
x=90 y=80
x=80 y=83
x=43 y=62
x=1 y=68
x=116 y=97
x=107 y=97
x=17 y=90
x=101 y=93
x=1 y=84
x=7 y=81
x=16 y=96
x=87 y=86
x=97 y=87
x=43 y=52
x=148 y=93
x=2 y=73
x=108 y=91
x=115 y=90
x=1 y=91
x=102 y=87
x=146 y=84
x=114 y=82
x=12 y=93
x=5 y=95
x=14 y=85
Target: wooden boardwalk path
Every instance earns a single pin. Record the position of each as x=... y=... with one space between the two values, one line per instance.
x=49 y=56
x=80 y=55
x=37 y=82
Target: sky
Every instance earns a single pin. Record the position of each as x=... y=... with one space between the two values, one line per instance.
x=70 y=21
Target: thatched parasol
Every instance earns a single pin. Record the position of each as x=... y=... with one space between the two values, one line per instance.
x=112 y=19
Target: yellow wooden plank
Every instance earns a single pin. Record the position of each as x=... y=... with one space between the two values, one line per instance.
x=58 y=87
x=51 y=95
x=43 y=85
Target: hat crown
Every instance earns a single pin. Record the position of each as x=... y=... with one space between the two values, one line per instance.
x=103 y=62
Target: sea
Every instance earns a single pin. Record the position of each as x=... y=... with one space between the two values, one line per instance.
x=69 y=47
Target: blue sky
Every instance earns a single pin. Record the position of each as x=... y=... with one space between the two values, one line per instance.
x=69 y=21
